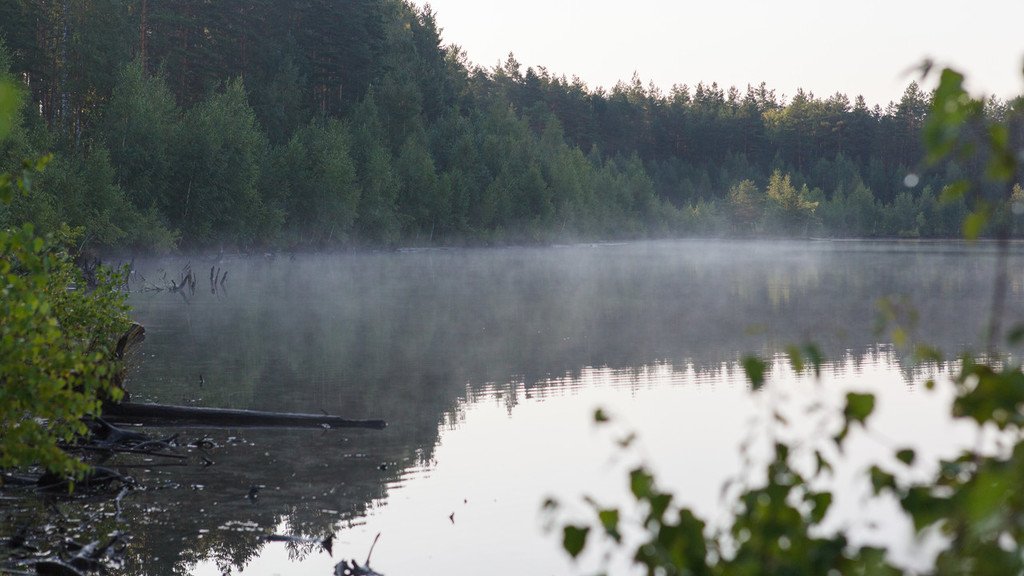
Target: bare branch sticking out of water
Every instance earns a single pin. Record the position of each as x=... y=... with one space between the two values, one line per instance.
x=352 y=568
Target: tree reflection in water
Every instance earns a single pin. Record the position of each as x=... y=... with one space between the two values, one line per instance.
x=411 y=337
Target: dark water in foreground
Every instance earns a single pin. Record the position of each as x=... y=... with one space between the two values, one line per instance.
x=488 y=365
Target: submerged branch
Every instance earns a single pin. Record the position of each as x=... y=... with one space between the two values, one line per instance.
x=163 y=414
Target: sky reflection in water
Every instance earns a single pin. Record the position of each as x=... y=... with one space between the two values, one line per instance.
x=489 y=364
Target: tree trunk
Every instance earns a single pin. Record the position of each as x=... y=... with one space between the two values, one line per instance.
x=163 y=414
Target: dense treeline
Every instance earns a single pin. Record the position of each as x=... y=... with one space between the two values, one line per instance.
x=316 y=122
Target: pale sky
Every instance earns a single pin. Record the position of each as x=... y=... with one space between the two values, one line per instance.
x=863 y=47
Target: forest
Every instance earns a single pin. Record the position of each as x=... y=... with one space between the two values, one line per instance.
x=305 y=124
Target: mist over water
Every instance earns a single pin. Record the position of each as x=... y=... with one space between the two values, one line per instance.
x=344 y=328
x=488 y=364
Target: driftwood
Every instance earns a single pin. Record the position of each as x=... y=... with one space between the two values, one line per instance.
x=88 y=558
x=134 y=336
x=96 y=477
x=352 y=568
x=165 y=414
x=131 y=339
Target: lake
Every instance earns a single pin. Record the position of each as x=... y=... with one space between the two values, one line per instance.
x=488 y=365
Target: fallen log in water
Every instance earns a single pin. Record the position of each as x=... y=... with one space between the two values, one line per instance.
x=164 y=414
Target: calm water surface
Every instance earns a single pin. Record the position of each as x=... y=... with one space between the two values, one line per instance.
x=488 y=365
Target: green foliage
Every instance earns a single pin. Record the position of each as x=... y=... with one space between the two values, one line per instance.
x=276 y=96
x=10 y=103
x=444 y=152
x=803 y=357
x=219 y=153
x=56 y=338
x=973 y=500
x=313 y=181
x=776 y=525
x=789 y=210
x=377 y=219
x=138 y=126
x=420 y=202
x=961 y=126
x=81 y=187
x=449 y=153
x=88 y=195
x=755 y=369
x=574 y=539
x=858 y=407
x=746 y=203
x=55 y=349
